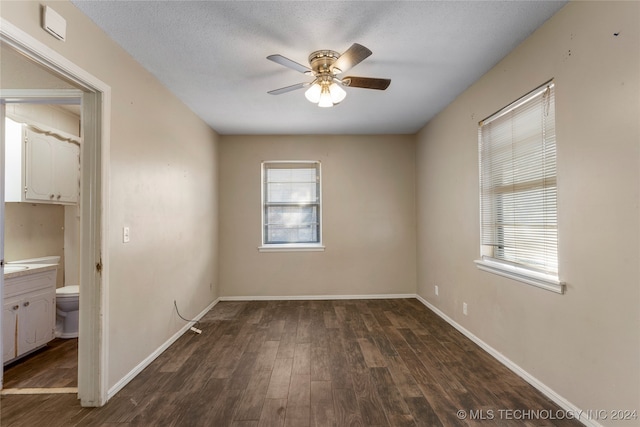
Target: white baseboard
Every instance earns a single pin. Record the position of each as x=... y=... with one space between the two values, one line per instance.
x=317 y=297
x=147 y=361
x=567 y=406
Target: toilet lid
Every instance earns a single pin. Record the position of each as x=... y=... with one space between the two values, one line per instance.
x=67 y=290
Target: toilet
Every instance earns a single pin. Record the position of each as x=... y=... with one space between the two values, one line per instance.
x=67 y=310
x=67 y=302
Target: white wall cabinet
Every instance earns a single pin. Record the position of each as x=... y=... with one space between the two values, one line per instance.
x=28 y=314
x=40 y=167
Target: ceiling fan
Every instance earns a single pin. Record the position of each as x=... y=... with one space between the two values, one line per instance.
x=325 y=90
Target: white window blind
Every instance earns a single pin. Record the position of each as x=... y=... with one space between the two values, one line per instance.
x=291 y=203
x=519 y=221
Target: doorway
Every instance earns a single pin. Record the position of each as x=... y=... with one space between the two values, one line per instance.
x=94 y=97
x=42 y=147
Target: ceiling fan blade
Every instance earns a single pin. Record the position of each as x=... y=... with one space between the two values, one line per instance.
x=289 y=88
x=279 y=59
x=366 y=82
x=352 y=57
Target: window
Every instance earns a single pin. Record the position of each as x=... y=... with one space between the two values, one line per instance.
x=291 y=211
x=518 y=209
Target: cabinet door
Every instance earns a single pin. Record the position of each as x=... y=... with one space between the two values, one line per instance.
x=37 y=320
x=52 y=169
x=39 y=166
x=67 y=172
x=10 y=310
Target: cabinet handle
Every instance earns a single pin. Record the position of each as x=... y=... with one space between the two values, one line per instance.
x=59 y=195
x=26 y=304
x=15 y=307
x=51 y=196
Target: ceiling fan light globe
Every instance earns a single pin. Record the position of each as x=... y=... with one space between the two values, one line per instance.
x=313 y=93
x=325 y=98
x=337 y=93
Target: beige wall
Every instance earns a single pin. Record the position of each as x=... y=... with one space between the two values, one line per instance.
x=584 y=345
x=52 y=116
x=163 y=185
x=33 y=231
x=368 y=217
x=19 y=72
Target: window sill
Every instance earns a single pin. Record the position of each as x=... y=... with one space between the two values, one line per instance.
x=291 y=248
x=541 y=280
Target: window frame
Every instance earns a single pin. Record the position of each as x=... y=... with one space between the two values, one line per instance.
x=522 y=272
x=290 y=247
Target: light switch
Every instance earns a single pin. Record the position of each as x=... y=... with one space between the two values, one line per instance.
x=125 y=235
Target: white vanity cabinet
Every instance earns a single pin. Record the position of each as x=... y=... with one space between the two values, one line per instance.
x=29 y=312
x=10 y=309
x=40 y=167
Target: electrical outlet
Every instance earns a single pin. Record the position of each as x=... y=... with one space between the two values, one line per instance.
x=126 y=237
x=437 y=290
x=464 y=308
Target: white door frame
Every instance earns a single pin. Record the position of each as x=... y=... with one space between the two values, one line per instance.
x=94 y=196
x=2 y=115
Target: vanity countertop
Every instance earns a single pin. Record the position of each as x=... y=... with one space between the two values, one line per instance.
x=19 y=270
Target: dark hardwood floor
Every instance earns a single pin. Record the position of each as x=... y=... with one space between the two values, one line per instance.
x=54 y=366
x=310 y=363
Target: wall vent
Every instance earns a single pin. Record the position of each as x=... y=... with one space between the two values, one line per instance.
x=53 y=23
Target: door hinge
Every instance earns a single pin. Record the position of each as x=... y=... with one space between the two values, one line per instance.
x=99 y=266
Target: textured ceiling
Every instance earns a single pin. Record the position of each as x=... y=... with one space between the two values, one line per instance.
x=212 y=55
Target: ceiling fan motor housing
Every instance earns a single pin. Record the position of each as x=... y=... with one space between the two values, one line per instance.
x=322 y=60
